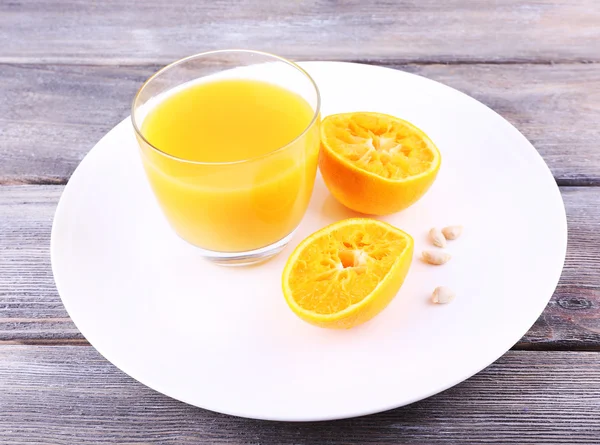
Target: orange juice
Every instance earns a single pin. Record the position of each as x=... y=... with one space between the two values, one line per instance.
x=234 y=163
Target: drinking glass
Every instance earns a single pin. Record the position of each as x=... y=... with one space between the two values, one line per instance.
x=242 y=211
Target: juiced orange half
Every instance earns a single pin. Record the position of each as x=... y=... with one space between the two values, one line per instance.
x=346 y=273
x=374 y=163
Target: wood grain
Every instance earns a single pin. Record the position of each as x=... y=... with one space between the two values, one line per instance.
x=31 y=312
x=68 y=70
x=117 y=32
x=29 y=304
x=572 y=318
x=51 y=115
x=71 y=395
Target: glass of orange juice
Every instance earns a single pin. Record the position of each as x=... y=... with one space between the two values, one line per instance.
x=229 y=141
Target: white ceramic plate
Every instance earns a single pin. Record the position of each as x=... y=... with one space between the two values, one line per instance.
x=224 y=339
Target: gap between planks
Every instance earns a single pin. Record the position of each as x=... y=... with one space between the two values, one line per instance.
x=102 y=61
x=46 y=342
x=570 y=182
x=541 y=347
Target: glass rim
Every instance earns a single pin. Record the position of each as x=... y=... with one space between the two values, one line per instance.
x=221 y=51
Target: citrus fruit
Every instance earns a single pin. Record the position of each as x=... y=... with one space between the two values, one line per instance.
x=375 y=163
x=346 y=273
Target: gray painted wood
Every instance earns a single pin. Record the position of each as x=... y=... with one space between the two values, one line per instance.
x=572 y=318
x=70 y=395
x=31 y=312
x=68 y=69
x=29 y=304
x=118 y=32
x=51 y=115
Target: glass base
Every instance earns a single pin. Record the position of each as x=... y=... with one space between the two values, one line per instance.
x=246 y=258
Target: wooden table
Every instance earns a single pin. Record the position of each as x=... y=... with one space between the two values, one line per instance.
x=68 y=71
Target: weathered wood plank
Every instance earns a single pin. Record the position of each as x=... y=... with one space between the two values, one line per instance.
x=68 y=31
x=31 y=312
x=50 y=116
x=73 y=396
x=30 y=307
x=572 y=317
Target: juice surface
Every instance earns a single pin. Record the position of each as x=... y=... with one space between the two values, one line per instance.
x=243 y=205
x=227 y=120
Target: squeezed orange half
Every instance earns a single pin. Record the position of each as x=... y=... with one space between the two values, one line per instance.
x=375 y=163
x=346 y=273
